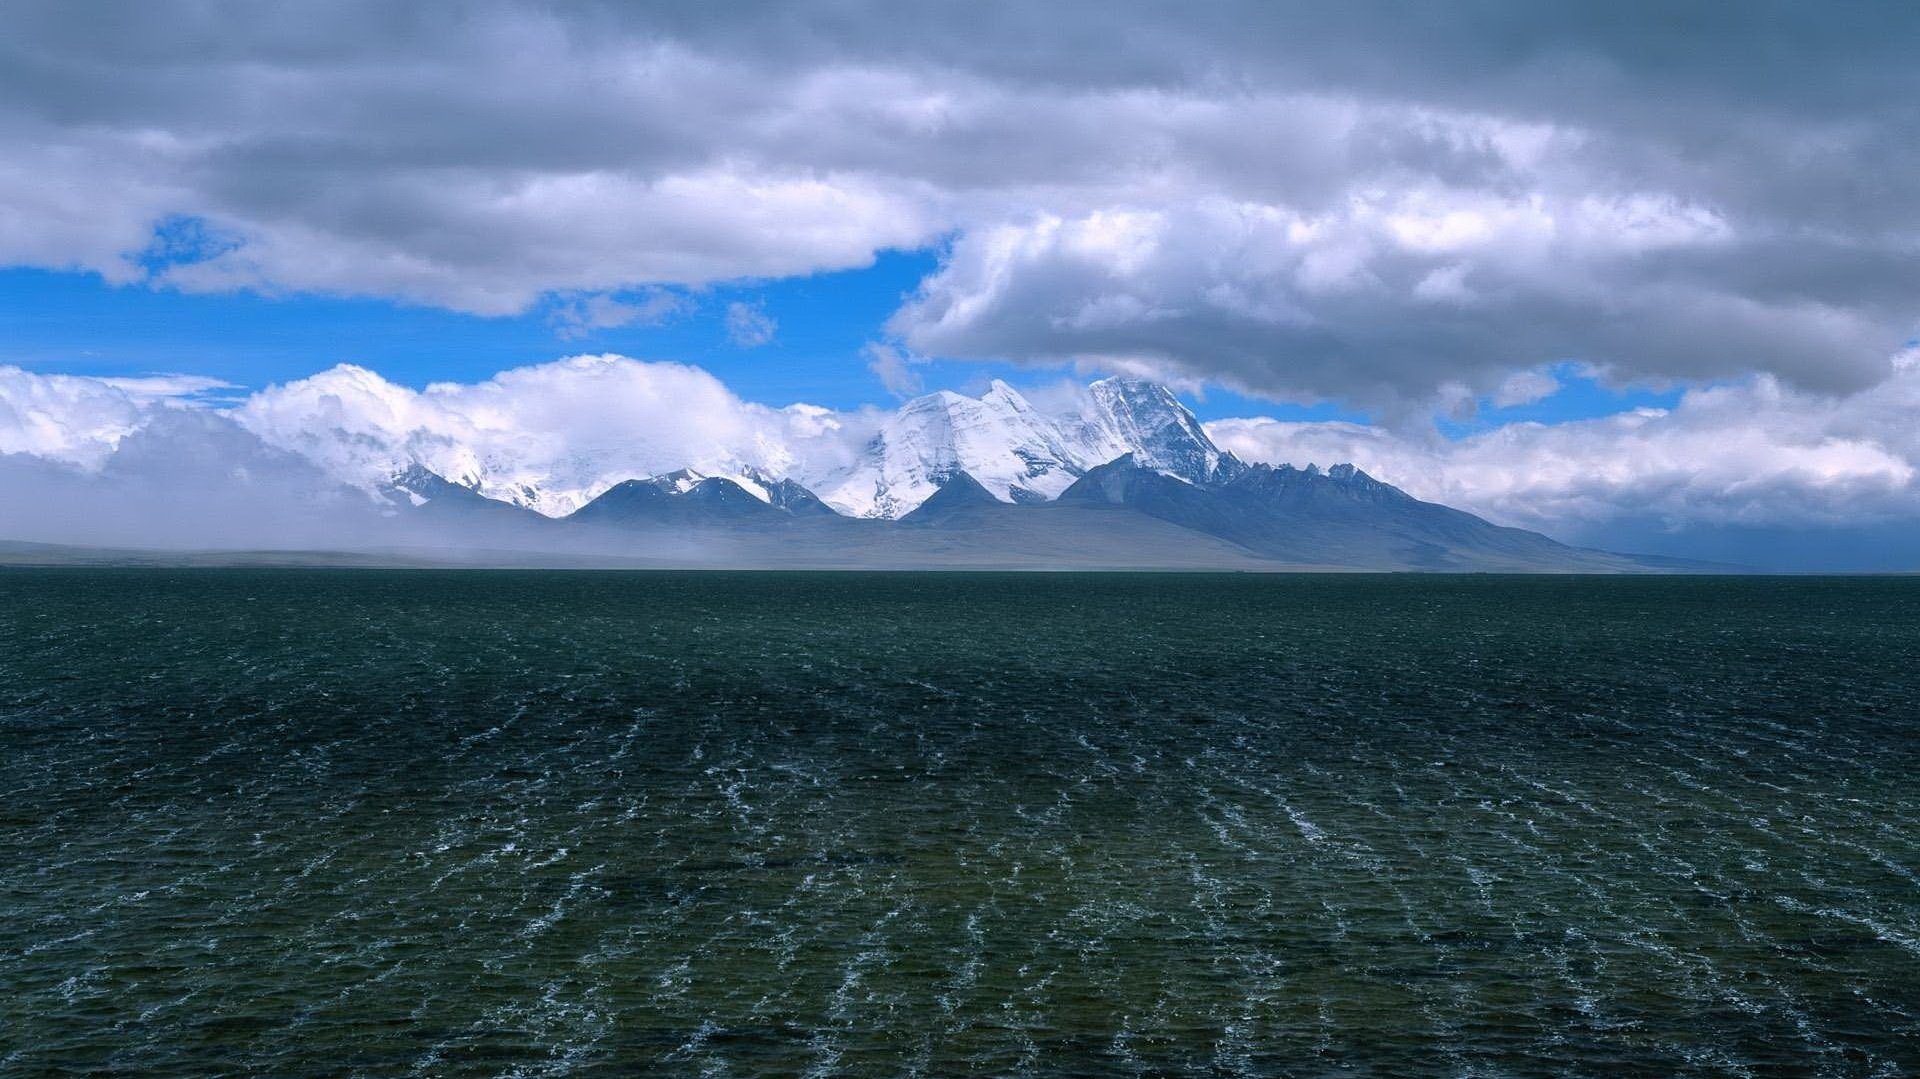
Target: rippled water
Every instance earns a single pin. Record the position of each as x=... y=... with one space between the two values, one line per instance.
x=380 y=823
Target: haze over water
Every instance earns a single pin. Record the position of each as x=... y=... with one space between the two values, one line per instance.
x=440 y=823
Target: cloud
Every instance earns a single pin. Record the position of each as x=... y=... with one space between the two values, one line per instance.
x=1364 y=202
x=1385 y=301
x=81 y=421
x=894 y=367
x=564 y=431
x=1752 y=454
x=579 y=316
x=1525 y=387
x=749 y=325
x=180 y=477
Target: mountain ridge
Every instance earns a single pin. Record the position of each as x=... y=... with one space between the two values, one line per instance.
x=1015 y=449
x=948 y=477
x=1254 y=517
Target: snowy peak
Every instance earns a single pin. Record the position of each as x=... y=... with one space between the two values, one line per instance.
x=418 y=485
x=1013 y=450
x=676 y=498
x=685 y=480
x=782 y=493
x=679 y=482
x=1157 y=429
x=1018 y=453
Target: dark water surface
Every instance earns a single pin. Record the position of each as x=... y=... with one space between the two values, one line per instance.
x=293 y=823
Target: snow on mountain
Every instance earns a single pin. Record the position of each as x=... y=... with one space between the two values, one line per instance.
x=1148 y=421
x=779 y=493
x=552 y=438
x=1011 y=448
x=1017 y=452
x=747 y=478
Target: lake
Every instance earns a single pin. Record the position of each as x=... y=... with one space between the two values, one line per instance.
x=388 y=822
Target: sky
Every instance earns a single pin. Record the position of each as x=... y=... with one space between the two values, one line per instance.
x=1641 y=275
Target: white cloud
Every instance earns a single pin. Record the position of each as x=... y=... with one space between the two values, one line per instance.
x=578 y=316
x=1298 y=200
x=567 y=430
x=497 y=253
x=1525 y=387
x=894 y=367
x=1755 y=453
x=80 y=421
x=1389 y=300
x=143 y=462
x=749 y=325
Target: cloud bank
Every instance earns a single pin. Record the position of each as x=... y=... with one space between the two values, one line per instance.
x=1372 y=203
x=1755 y=453
x=551 y=436
x=114 y=463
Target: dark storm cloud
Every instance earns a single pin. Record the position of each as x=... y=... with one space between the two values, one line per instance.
x=1365 y=201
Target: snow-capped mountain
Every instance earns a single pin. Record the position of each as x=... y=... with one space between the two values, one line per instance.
x=677 y=498
x=1017 y=452
x=385 y=439
x=782 y=493
x=1147 y=420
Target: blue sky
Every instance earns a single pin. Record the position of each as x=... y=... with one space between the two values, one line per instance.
x=65 y=322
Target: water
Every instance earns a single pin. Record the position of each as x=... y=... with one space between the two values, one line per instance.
x=300 y=823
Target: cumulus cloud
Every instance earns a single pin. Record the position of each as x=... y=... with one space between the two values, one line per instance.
x=1385 y=302
x=1363 y=201
x=81 y=421
x=150 y=463
x=550 y=436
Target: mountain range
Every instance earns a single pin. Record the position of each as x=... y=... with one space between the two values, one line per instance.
x=1128 y=479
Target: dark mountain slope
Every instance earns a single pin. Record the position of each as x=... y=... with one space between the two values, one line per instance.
x=708 y=502
x=1339 y=517
x=1119 y=515
x=960 y=497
